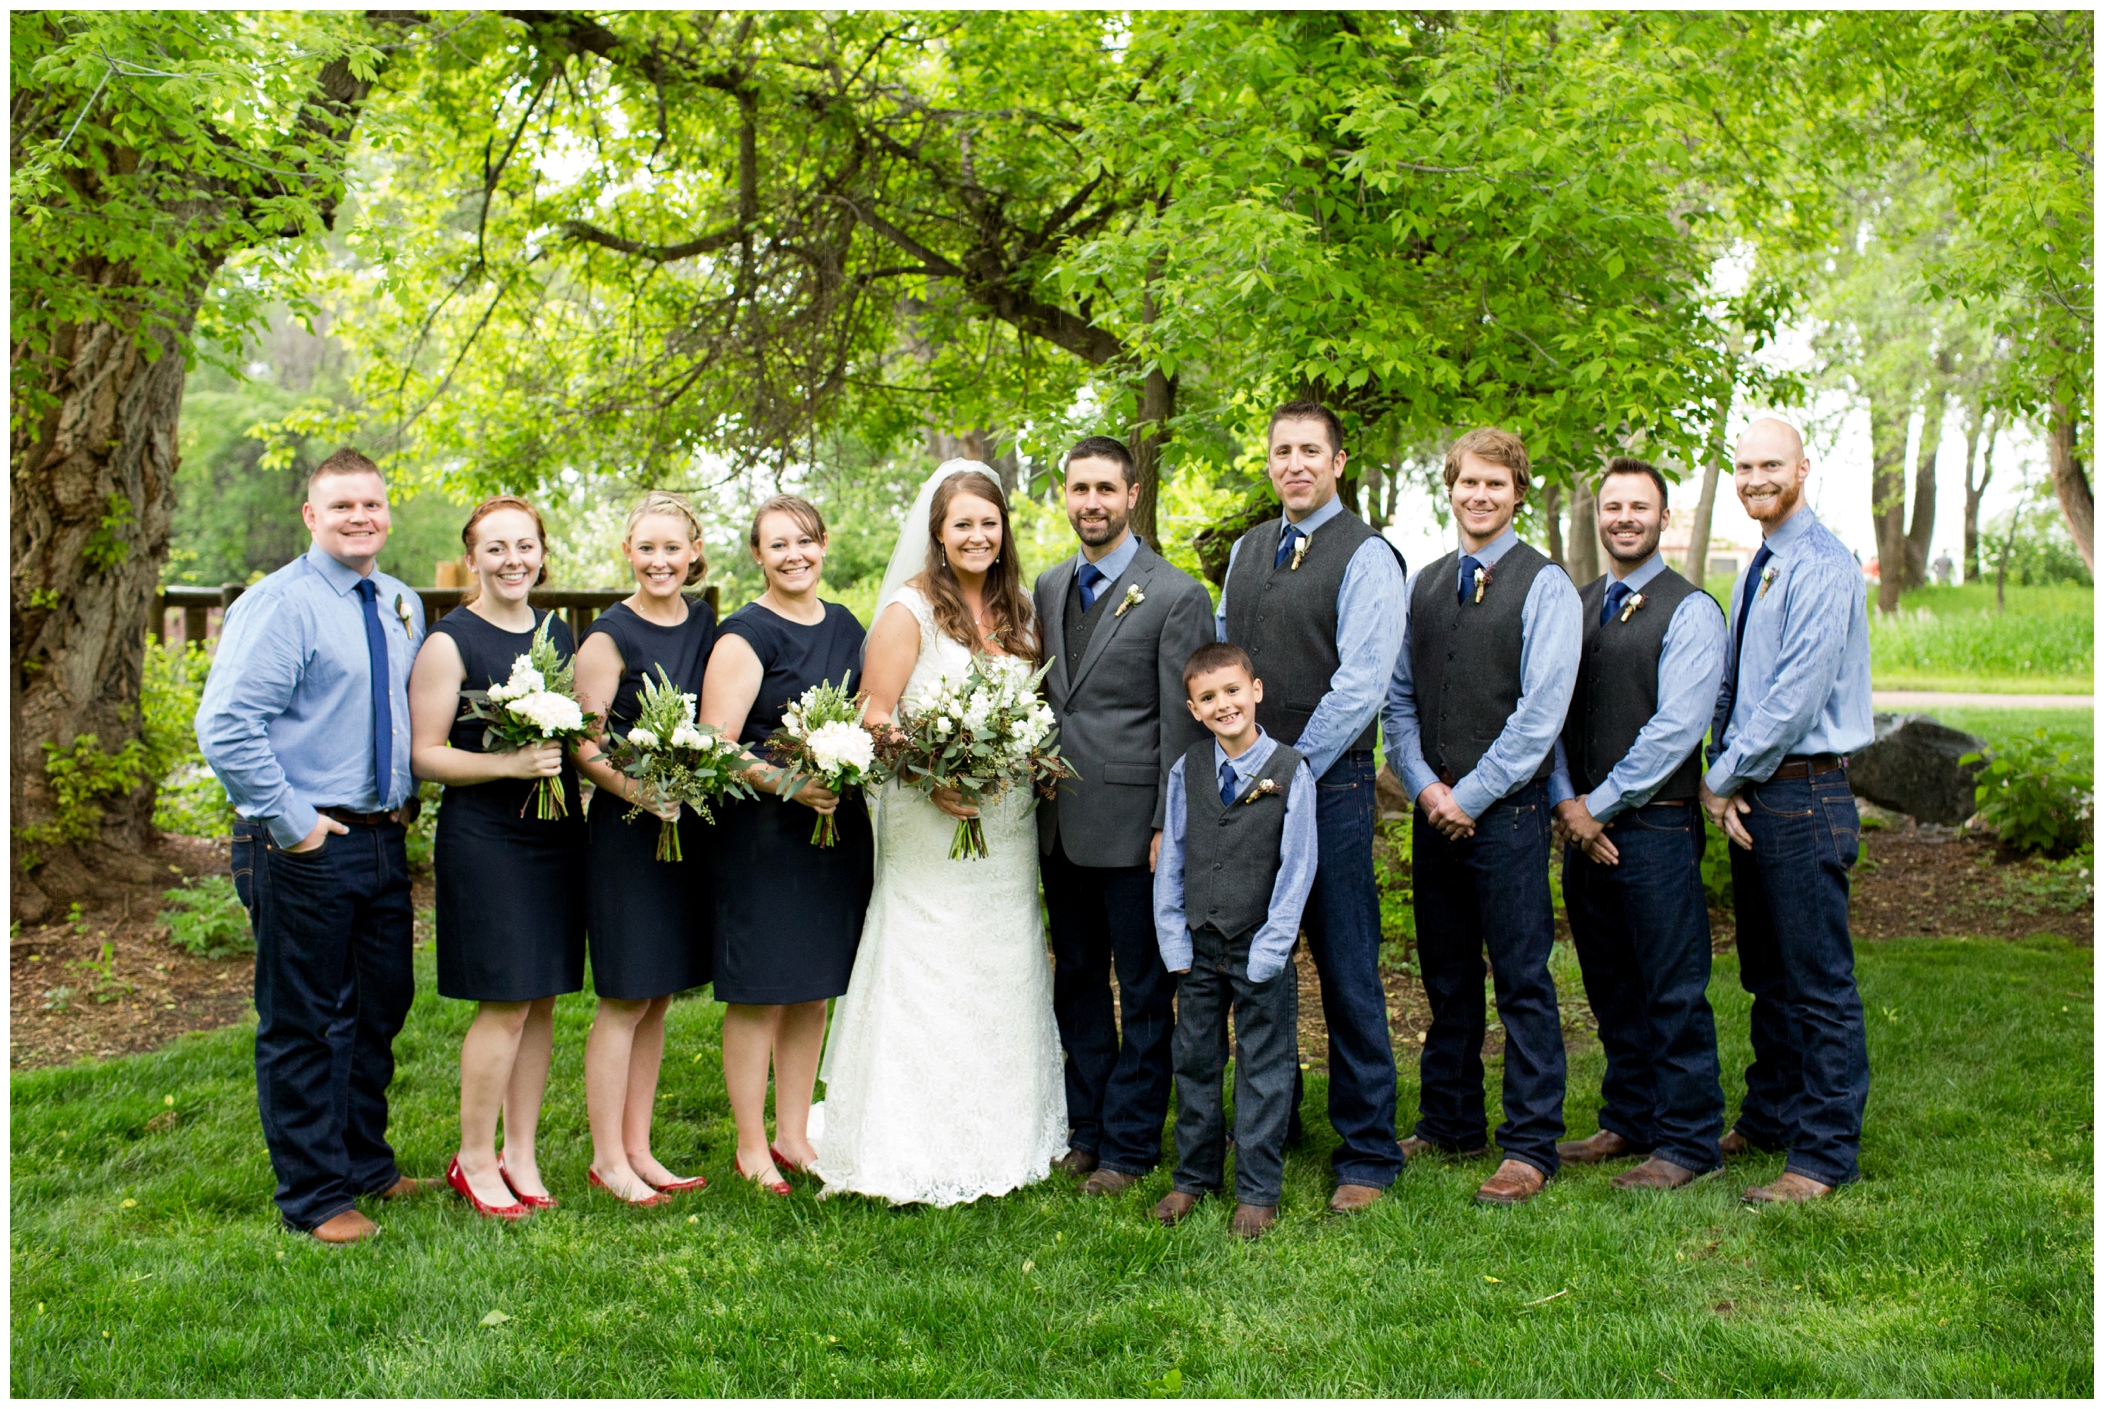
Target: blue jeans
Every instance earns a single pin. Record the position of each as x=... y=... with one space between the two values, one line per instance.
x=333 y=987
x=1117 y=1080
x=1267 y=1061
x=1810 y=1076
x=1641 y=929
x=1489 y=892
x=1343 y=926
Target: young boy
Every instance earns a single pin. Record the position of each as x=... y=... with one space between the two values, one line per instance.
x=1237 y=862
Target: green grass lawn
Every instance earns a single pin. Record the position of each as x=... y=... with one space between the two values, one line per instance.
x=1999 y=726
x=148 y=1261
x=1952 y=638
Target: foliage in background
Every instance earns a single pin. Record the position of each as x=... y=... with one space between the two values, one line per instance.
x=205 y=917
x=1953 y=638
x=2035 y=794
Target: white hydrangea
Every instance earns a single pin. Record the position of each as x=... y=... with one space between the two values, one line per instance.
x=525 y=680
x=550 y=713
x=841 y=745
x=642 y=738
x=686 y=736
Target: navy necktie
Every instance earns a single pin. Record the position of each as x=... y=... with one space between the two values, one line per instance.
x=1286 y=539
x=383 y=713
x=1090 y=580
x=1738 y=636
x=1469 y=568
x=1617 y=593
x=1227 y=785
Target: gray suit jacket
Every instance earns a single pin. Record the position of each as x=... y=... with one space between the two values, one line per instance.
x=1121 y=712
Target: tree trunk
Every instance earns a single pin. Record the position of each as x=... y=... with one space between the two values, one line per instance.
x=1974 y=489
x=1923 y=526
x=1157 y=407
x=2071 y=484
x=1583 y=549
x=1888 y=496
x=82 y=591
x=1552 y=514
x=1697 y=570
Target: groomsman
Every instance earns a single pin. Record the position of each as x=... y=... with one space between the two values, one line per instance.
x=305 y=720
x=1119 y=623
x=1795 y=701
x=1627 y=769
x=1316 y=598
x=1478 y=698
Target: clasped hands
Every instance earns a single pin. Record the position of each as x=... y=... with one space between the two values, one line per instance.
x=1444 y=813
x=1725 y=812
x=1573 y=825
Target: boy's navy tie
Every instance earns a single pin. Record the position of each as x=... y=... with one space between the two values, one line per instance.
x=383 y=714
x=1227 y=784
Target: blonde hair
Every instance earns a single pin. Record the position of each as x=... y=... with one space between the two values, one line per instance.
x=800 y=510
x=664 y=501
x=1498 y=447
x=489 y=506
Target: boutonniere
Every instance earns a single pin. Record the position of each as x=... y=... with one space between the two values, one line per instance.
x=1133 y=597
x=402 y=611
x=1265 y=788
x=1767 y=579
x=1300 y=550
x=1482 y=581
x=1631 y=607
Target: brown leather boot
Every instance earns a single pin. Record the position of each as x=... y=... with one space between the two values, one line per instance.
x=1655 y=1173
x=406 y=1188
x=1414 y=1148
x=1354 y=1198
x=1106 y=1182
x=1076 y=1162
x=1174 y=1208
x=1594 y=1149
x=1789 y=1188
x=350 y=1226
x=1515 y=1182
x=1734 y=1144
x=1252 y=1221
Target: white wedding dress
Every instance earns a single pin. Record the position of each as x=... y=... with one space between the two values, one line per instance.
x=943 y=1072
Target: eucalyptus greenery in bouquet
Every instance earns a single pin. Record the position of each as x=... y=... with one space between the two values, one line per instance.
x=536 y=705
x=821 y=737
x=676 y=760
x=979 y=736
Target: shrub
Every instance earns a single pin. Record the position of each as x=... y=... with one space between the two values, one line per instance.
x=191 y=803
x=1716 y=867
x=205 y=917
x=2035 y=794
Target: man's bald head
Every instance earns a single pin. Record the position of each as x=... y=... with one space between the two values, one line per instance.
x=1768 y=469
x=1773 y=433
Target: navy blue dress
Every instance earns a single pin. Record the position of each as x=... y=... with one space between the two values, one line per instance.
x=511 y=903
x=789 y=914
x=649 y=918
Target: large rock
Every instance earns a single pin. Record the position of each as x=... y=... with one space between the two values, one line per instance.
x=1912 y=767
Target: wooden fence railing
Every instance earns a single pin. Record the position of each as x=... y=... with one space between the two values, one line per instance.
x=203 y=608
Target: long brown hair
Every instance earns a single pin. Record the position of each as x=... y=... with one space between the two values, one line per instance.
x=1005 y=599
x=489 y=506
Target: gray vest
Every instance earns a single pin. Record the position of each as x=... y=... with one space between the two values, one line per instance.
x=1286 y=618
x=1081 y=624
x=1465 y=658
x=1618 y=685
x=1231 y=854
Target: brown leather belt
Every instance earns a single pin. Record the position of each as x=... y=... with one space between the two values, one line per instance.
x=1800 y=765
x=360 y=819
x=1667 y=802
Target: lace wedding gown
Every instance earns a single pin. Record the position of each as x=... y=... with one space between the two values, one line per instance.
x=943 y=1077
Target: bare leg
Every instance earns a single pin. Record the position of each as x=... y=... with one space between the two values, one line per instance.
x=608 y=1059
x=486 y=1058
x=749 y=1038
x=522 y=1098
x=797 y=1045
x=643 y=1061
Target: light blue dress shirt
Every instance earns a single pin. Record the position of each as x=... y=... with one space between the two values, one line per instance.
x=1805 y=664
x=1371 y=607
x=1551 y=637
x=1690 y=665
x=1272 y=944
x=287 y=716
x=1114 y=562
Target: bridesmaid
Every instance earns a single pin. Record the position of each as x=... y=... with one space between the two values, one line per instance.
x=788 y=914
x=511 y=899
x=649 y=918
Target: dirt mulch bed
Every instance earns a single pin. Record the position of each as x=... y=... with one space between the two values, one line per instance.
x=1930 y=880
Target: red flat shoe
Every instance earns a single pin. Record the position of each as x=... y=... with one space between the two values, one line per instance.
x=778 y=1187
x=532 y=1201
x=510 y=1213
x=678 y=1186
x=782 y=1161
x=651 y=1201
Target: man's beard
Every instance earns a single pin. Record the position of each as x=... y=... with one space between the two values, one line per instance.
x=1096 y=534
x=1643 y=552
x=1785 y=499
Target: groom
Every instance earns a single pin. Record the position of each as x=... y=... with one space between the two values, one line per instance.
x=1118 y=624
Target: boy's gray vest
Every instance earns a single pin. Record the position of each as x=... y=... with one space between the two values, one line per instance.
x=1286 y=618
x=1231 y=854
x=1618 y=686
x=1465 y=658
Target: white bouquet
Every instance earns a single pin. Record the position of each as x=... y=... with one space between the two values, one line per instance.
x=822 y=737
x=675 y=759
x=537 y=704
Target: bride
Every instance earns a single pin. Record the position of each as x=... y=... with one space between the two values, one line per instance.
x=943 y=1079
